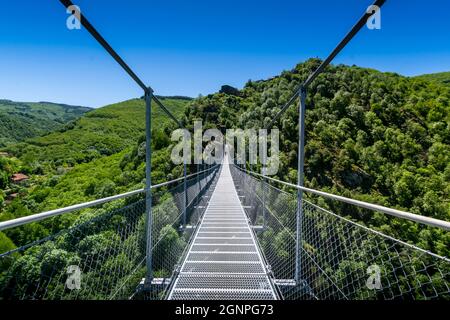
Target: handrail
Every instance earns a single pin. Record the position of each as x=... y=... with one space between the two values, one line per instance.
x=47 y=214
x=374 y=207
x=182 y=178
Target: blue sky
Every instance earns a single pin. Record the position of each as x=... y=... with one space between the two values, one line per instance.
x=193 y=47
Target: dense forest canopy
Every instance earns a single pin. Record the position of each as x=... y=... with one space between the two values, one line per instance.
x=22 y=120
x=440 y=77
x=378 y=137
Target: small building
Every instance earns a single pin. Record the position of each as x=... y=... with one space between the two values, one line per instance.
x=10 y=198
x=4 y=154
x=19 y=177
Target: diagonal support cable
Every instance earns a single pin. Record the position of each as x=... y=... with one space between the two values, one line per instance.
x=89 y=27
x=162 y=106
x=341 y=45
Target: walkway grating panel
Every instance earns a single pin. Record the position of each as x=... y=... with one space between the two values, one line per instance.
x=220 y=240
x=195 y=294
x=230 y=281
x=223 y=248
x=224 y=229
x=230 y=235
x=222 y=267
x=222 y=256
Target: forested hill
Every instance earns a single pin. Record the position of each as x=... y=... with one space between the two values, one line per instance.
x=101 y=132
x=22 y=120
x=378 y=137
x=100 y=154
x=440 y=77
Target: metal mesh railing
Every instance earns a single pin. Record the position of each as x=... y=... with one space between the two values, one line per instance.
x=105 y=249
x=170 y=236
x=339 y=258
x=101 y=255
x=101 y=249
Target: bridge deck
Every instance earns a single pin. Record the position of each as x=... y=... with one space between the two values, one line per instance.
x=223 y=261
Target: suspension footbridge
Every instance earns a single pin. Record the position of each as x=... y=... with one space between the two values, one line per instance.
x=222 y=232
x=223 y=261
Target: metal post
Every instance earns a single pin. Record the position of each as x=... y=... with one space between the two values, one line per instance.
x=184 y=195
x=148 y=182
x=263 y=183
x=198 y=184
x=263 y=160
x=300 y=179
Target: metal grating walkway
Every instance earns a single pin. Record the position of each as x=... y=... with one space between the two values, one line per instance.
x=223 y=261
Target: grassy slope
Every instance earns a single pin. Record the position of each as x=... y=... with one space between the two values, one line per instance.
x=440 y=77
x=101 y=132
x=22 y=120
x=377 y=137
x=117 y=128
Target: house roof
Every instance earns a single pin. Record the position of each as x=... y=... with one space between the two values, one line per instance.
x=17 y=177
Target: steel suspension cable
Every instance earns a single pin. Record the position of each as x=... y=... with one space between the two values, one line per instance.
x=341 y=45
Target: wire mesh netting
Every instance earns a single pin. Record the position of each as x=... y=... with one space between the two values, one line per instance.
x=170 y=237
x=101 y=254
x=339 y=258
